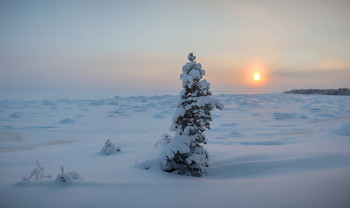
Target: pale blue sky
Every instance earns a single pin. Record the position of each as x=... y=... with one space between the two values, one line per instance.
x=142 y=45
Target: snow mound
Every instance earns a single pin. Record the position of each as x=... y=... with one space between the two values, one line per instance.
x=344 y=130
x=16 y=115
x=97 y=102
x=49 y=103
x=67 y=121
x=154 y=164
x=278 y=164
x=68 y=178
x=110 y=148
x=64 y=179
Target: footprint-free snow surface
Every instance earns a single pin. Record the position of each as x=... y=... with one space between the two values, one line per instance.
x=277 y=150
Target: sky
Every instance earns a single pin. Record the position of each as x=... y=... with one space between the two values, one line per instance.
x=142 y=45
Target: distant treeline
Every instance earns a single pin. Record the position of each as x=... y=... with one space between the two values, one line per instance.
x=340 y=91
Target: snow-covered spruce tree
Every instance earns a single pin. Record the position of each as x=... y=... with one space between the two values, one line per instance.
x=184 y=154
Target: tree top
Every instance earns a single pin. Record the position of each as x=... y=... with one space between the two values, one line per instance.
x=191 y=57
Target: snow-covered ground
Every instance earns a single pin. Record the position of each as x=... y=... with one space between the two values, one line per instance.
x=267 y=150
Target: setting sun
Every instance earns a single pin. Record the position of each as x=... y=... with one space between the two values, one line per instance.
x=256 y=74
x=256 y=77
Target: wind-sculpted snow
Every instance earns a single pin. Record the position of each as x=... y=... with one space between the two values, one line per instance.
x=266 y=150
x=344 y=130
x=283 y=116
x=16 y=115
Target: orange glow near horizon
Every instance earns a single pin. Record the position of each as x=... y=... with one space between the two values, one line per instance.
x=256 y=74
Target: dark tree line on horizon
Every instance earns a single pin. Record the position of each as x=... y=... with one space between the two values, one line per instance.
x=340 y=91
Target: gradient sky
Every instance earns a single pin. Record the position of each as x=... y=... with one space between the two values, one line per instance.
x=142 y=45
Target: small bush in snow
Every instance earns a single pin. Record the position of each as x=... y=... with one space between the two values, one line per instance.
x=68 y=178
x=110 y=148
x=37 y=173
x=184 y=154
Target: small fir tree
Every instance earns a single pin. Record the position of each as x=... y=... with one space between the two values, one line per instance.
x=184 y=154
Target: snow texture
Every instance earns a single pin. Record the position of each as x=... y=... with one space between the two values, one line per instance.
x=255 y=159
x=344 y=130
x=16 y=115
x=67 y=121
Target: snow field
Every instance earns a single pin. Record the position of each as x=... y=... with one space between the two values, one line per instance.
x=266 y=150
